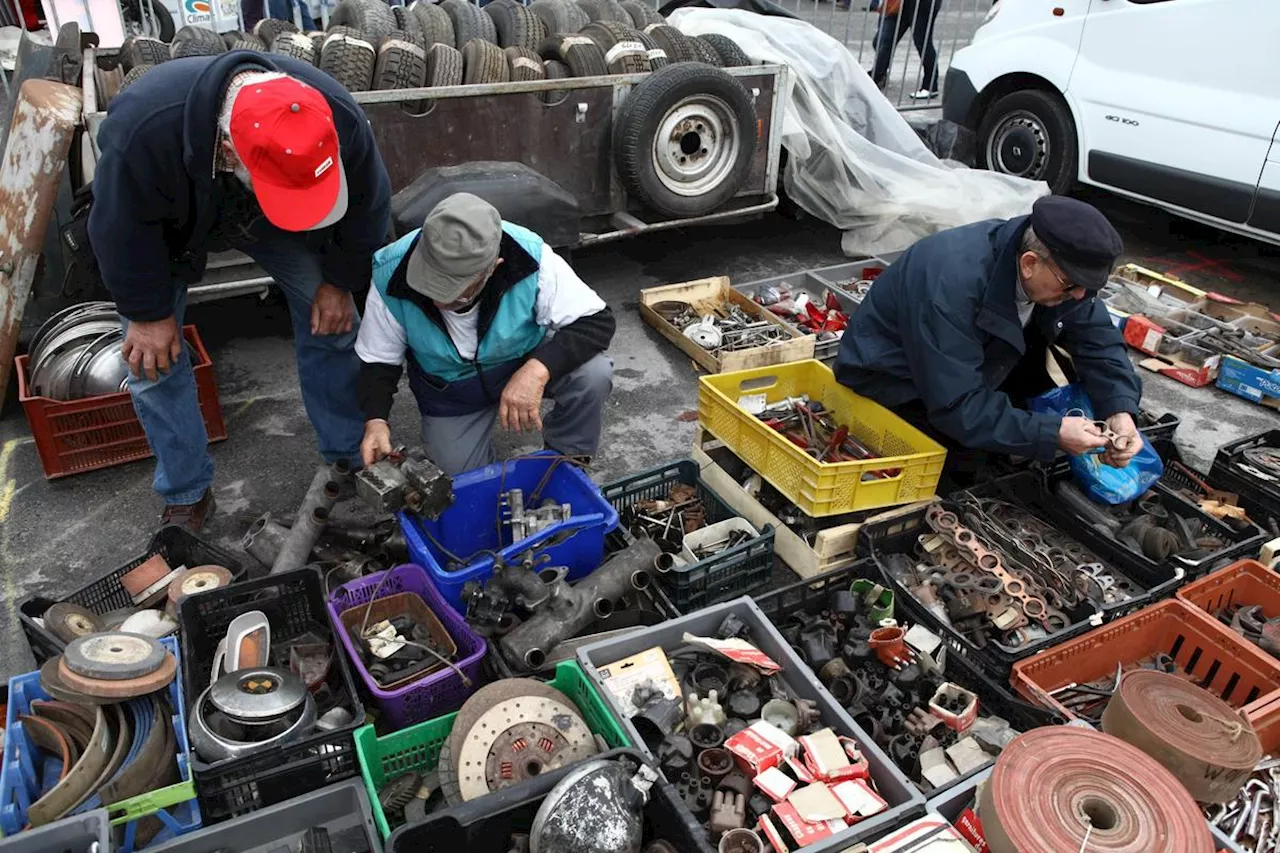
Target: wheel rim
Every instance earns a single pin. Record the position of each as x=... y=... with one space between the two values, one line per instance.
x=696 y=145
x=1019 y=145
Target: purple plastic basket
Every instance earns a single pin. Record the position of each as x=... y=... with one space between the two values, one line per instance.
x=436 y=694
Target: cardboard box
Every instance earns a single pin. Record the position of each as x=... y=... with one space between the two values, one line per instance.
x=1252 y=383
x=760 y=746
x=803 y=832
x=1178 y=358
x=929 y=834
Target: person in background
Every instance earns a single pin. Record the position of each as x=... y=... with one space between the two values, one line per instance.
x=490 y=320
x=896 y=17
x=253 y=11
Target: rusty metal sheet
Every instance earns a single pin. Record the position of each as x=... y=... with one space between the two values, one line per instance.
x=45 y=118
x=567 y=141
x=761 y=87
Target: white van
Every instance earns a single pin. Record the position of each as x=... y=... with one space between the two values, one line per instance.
x=1175 y=103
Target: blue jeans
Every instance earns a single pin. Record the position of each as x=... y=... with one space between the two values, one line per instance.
x=327 y=371
x=252 y=11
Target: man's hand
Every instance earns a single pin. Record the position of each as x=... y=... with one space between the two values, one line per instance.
x=332 y=311
x=1077 y=436
x=152 y=347
x=518 y=410
x=377 y=441
x=1128 y=445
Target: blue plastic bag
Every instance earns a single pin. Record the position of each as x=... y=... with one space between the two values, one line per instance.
x=1100 y=481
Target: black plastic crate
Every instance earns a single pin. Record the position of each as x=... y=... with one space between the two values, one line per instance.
x=487 y=824
x=294 y=603
x=729 y=574
x=814 y=595
x=1157 y=427
x=1260 y=498
x=179 y=547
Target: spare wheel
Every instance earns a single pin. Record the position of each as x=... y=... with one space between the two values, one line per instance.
x=684 y=139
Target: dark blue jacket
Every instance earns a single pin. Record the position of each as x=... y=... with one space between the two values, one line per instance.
x=153 y=190
x=941 y=326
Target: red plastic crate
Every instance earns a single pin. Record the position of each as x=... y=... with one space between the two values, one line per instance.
x=97 y=432
x=1218 y=660
x=1243 y=582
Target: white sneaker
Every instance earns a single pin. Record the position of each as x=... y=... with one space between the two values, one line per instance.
x=924 y=94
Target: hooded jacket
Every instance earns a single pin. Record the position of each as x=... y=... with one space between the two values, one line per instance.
x=155 y=202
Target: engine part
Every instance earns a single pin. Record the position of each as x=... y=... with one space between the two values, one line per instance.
x=398 y=791
x=740 y=841
x=706 y=736
x=818 y=643
x=728 y=811
x=264 y=539
x=1065 y=788
x=782 y=714
x=743 y=703
x=115 y=656
x=567 y=610
x=704 y=710
x=509 y=731
x=739 y=782
x=808 y=715
x=597 y=808
x=526 y=522
x=257 y=696
x=406 y=480
x=68 y=621
x=312 y=516
x=709 y=676
x=715 y=763
x=658 y=717
x=675 y=756
x=1202 y=741
x=213 y=740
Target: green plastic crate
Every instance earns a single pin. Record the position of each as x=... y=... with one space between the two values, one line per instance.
x=417 y=748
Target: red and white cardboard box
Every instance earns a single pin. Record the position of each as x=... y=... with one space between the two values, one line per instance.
x=859 y=801
x=738 y=651
x=760 y=746
x=969 y=825
x=929 y=834
x=770 y=832
x=775 y=784
x=803 y=832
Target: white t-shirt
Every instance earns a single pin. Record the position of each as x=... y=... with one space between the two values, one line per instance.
x=563 y=298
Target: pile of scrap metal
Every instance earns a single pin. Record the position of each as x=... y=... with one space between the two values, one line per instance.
x=106 y=734
x=262 y=696
x=808 y=425
x=399 y=638
x=720 y=327
x=801 y=309
x=678 y=522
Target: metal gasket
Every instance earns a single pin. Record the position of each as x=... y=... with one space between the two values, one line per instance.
x=1201 y=739
x=75 y=785
x=1063 y=788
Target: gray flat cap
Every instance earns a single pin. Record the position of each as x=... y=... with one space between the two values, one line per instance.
x=460 y=240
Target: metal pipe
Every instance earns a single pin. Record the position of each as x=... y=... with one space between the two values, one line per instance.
x=312 y=516
x=264 y=539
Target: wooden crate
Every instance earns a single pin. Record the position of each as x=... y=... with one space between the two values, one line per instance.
x=834 y=546
x=717 y=289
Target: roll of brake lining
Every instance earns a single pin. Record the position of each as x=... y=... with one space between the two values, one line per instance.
x=1064 y=789
x=1199 y=738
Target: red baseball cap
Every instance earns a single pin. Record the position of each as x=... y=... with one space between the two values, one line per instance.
x=283 y=132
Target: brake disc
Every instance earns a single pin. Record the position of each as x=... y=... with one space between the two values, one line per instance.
x=68 y=621
x=507 y=732
x=115 y=656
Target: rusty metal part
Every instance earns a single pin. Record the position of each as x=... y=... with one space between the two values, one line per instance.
x=51 y=682
x=76 y=721
x=509 y=731
x=75 y=785
x=67 y=621
x=1206 y=744
x=46 y=116
x=312 y=516
x=121 y=689
x=1066 y=789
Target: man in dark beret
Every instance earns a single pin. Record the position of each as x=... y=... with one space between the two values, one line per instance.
x=953 y=336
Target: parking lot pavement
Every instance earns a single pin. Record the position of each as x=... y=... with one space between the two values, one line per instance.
x=57 y=536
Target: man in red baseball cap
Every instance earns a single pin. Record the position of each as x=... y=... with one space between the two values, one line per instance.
x=252 y=152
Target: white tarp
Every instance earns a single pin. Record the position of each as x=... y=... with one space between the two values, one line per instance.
x=852 y=158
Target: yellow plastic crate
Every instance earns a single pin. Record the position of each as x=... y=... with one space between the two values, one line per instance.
x=820 y=488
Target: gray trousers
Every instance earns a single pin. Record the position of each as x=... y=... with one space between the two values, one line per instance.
x=572 y=427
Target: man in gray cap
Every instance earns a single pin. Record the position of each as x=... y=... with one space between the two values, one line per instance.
x=954 y=335
x=490 y=320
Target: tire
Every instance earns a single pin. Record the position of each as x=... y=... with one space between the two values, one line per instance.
x=344 y=30
x=469 y=23
x=134 y=73
x=180 y=49
x=401 y=65
x=317 y=41
x=413 y=37
x=641 y=15
x=444 y=65
x=483 y=62
x=668 y=176
x=555 y=70
x=297 y=45
x=516 y=25
x=406 y=20
x=583 y=56
x=673 y=43
x=348 y=60
x=269 y=29
x=371 y=17
x=559 y=16
x=434 y=22
x=731 y=56
x=158 y=25
x=657 y=56
x=706 y=53
x=199 y=35
x=1031 y=134
x=624 y=53
x=235 y=37
x=142 y=50
x=605 y=10
x=606 y=33
x=524 y=64
x=248 y=43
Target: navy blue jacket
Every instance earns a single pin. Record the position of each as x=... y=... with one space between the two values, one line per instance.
x=153 y=191
x=941 y=326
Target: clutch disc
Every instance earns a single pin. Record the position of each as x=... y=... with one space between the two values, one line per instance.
x=68 y=621
x=507 y=732
x=115 y=656
x=1064 y=788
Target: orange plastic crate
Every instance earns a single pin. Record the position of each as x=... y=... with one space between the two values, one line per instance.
x=1241 y=583
x=1227 y=665
x=97 y=432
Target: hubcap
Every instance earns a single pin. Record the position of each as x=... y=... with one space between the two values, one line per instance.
x=1019 y=146
x=696 y=145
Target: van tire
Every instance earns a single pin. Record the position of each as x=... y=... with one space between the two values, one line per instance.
x=349 y=60
x=516 y=25
x=269 y=29
x=559 y=16
x=296 y=45
x=469 y=22
x=444 y=65
x=1033 y=117
x=524 y=64
x=731 y=55
x=483 y=62
x=371 y=17
x=584 y=58
x=401 y=65
x=434 y=22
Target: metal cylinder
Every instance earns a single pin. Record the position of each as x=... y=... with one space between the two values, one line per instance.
x=264 y=539
x=303 y=536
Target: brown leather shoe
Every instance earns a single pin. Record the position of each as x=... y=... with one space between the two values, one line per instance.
x=191 y=516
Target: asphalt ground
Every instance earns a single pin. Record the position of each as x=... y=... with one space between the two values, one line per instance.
x=56 y=536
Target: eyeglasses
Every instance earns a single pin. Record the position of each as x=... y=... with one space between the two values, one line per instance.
x=1063 y=281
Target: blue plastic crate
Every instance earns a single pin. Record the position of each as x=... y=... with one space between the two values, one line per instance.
x=471 y=525
x=19 y=787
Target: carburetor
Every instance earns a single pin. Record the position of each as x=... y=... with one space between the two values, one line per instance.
x=406 y=479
